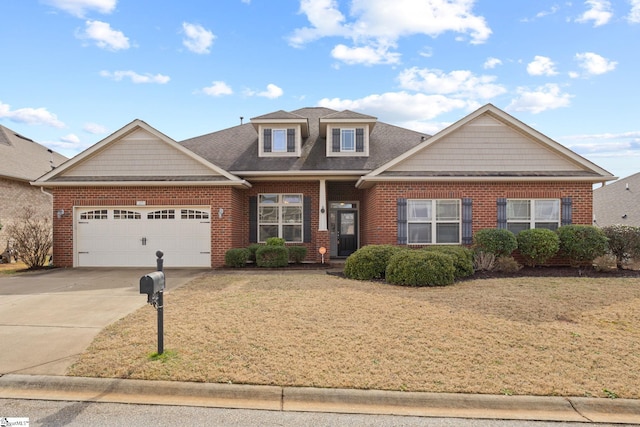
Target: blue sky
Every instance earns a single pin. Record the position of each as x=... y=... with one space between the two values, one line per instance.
x=74 y=71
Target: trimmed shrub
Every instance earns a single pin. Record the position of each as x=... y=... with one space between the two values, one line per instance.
x=421 y=268
x=297 y=254
x=252 y=251
x=582 y=243
x=275 y=241
x=507 y=264
x=624 y=242
x=236 y=257
x=537 y=245
x=370 y=262
x=496 y=241
x=462 y=258
x=272 y=256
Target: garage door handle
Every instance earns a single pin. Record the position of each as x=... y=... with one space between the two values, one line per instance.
x=83 y=252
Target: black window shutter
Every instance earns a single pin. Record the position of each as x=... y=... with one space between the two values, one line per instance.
x=567 y=211
x=306 y=218
x=291 y=140
x=360 y=140
x=267 y=141
x=253 y=219
x=502 y=213
x=402 y=221
x=467 y=221
x=335 y=140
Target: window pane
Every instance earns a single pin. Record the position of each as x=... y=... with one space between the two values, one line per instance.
x=268 y=214
x=516 y=227
x=292 y=233
x=348 y=140
x=547 y=210
x=447 y=210
x=292 y=198
x=268 y=199
x=419 y=233
x=292 y=214
x=518 y=210
x=279 y=140
x=419 y=210
x=266 y=231
x=548 y=225
x=447 y=233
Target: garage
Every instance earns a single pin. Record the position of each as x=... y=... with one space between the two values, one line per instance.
x=130 y=236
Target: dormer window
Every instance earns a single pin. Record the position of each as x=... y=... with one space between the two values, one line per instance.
x=348 y=141
x=280 y=134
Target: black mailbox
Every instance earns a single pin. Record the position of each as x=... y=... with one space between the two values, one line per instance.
x=152 y=283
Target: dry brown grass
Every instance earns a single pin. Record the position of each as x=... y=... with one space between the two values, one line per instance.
x=539 y=336
x=9 y=268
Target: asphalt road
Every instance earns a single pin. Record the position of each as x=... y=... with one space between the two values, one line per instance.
x=81 y=414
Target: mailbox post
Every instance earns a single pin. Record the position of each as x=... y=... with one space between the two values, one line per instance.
x=153 y=285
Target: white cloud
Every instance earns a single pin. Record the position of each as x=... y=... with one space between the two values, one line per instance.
x=491 y=63
x=94 y=128
x=71 y=138
x=135 y=77
x=541 y=66
x=380 y=23
x=599 y=12
x=104 y=36
x=594 y=64
x=399 y=106
x=458 y=83
x=80 y=7
x=30 y=116
x=366 y=55
x=198 y=39
x=547 y=97
x=272 y=92
x=634 y=13
x=218 y=88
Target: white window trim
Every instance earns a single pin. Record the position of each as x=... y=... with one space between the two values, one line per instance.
x=273 y=153
x=532 y=220
x=281 y=223
x=434 y=222
x=349 y=126
x=342 y=147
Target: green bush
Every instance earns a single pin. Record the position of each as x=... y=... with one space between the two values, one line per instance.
x=297 y=254
x=272 y=256
x=496 y=241
x=582 y=243
x=370 y=262
x=506 y=264
x=421 y=268
x=275 y=241
x=624 y=242
x=462 y=258
x=252 y=251
x=236 y=257
x=537 y=245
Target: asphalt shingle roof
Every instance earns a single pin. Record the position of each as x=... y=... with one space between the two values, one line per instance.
x=618 y=202
x=236 y=149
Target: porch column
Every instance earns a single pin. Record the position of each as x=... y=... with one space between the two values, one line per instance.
x=322 y=208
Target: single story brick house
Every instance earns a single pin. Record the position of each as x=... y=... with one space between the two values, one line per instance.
x=22 y=161
x=316 y=177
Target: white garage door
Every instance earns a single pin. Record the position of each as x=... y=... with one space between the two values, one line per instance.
x=130 y=237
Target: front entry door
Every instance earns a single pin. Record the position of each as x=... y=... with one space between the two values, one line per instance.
x=347 y=232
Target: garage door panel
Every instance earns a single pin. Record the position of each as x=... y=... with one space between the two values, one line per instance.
x=130 y=237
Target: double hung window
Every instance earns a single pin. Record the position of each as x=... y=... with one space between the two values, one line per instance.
x=433 y=221
x=280 y=215
x=534 y=213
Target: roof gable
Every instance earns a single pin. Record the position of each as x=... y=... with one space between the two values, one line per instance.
x=491 y=143
x=138 y=153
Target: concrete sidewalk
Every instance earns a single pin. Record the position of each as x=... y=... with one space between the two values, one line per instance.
x=539 y=408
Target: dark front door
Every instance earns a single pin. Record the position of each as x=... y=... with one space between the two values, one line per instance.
x=347 y=232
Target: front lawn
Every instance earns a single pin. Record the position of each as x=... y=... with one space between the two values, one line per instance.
x=526 y=335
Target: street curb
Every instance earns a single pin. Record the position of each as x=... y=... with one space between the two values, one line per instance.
x=307 y=399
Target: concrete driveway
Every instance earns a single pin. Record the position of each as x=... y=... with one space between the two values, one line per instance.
x=48 y=318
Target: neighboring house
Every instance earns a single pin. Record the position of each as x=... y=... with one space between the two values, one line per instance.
x=21 y=161
x=316 y=177
x=618 y=202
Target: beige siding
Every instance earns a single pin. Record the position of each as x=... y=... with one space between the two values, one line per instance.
x=139 y=153
x=486 y=145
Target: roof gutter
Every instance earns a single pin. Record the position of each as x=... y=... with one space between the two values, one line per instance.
x=242 y=183
x=365 y=182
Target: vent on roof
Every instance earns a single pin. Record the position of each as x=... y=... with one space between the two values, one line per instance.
x=23 y=137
